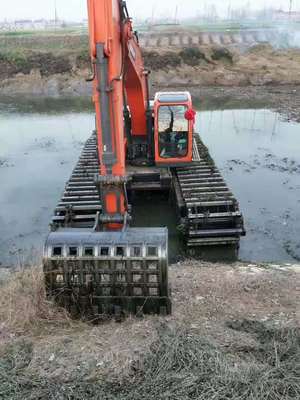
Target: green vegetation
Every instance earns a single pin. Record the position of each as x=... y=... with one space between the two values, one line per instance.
x=60 y=42
x=13 y=62
x=229 y=26
x=155 y=61
x=192 y=56
x=17 y=58
x=17 y=33
x=50 y=32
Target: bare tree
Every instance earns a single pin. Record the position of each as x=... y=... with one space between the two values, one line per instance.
x=291 y=7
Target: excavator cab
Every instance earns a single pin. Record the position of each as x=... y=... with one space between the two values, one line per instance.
x=173 y=128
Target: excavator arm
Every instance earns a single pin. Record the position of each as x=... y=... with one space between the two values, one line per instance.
x=112 y=266
x=120 y=84
x=107 y=55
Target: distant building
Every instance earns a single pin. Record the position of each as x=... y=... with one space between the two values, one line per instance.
x=4 y=26
x=40 y=24
x=24 y=25
x=53 y=23
x=74 y=24
x=280 y=15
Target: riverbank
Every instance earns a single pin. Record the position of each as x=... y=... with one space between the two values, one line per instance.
x=48 y=74
x=59 y=68
x=234 y=330
x=55 y=64
x=284 y=99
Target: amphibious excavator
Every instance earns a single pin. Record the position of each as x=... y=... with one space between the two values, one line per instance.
x=95 y=261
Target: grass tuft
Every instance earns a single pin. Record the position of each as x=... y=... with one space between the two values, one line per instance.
x=23 y=303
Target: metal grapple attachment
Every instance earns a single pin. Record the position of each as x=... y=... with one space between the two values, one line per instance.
x=97 y=273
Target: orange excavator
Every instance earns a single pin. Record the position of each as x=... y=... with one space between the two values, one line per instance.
x=95 y=262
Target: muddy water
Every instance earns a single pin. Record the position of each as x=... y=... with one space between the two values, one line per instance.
x=259 y=155
x=37 y=153
x=256 y=151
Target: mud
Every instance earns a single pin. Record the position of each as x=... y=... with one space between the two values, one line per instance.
x=284 y=99
x=268 y=160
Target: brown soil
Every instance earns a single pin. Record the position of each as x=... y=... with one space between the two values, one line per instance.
x=220 y=66
x=191 y=66
x=47 y=64
x=285 y=99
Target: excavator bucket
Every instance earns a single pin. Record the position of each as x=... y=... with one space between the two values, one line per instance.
x=93 y=274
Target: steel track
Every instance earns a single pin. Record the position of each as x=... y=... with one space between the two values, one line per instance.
x=209 y=212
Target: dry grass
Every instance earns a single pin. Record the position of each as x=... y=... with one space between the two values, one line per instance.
x=23 y=304
x=233 y=334
x=180 y=365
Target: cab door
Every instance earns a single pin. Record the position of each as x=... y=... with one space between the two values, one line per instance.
x=173 y=130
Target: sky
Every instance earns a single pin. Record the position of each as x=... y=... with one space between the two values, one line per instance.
x=76 y=9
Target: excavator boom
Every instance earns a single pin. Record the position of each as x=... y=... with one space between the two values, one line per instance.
x=107 y=60
x=111 y=267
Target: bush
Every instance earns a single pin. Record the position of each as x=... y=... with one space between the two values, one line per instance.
x=222 y=54
x=192 y=56
x=23 y=303
x=12 y=63
x=155 y=61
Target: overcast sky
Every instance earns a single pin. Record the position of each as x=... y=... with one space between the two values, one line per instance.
x=76 y=9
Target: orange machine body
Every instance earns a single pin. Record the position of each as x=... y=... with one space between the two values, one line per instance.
x=135 y=81
x=105 y=30
x=124 y=119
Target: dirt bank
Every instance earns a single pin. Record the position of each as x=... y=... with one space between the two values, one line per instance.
x=271 y=77
x=234 y=332
x=42 y=73
x=219 y=66
x=285 y=99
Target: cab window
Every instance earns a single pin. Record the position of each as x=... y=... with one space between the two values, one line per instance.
x=172 y=131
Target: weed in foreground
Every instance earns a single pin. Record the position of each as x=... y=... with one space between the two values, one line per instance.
x=24 y=306
x=179 y=366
